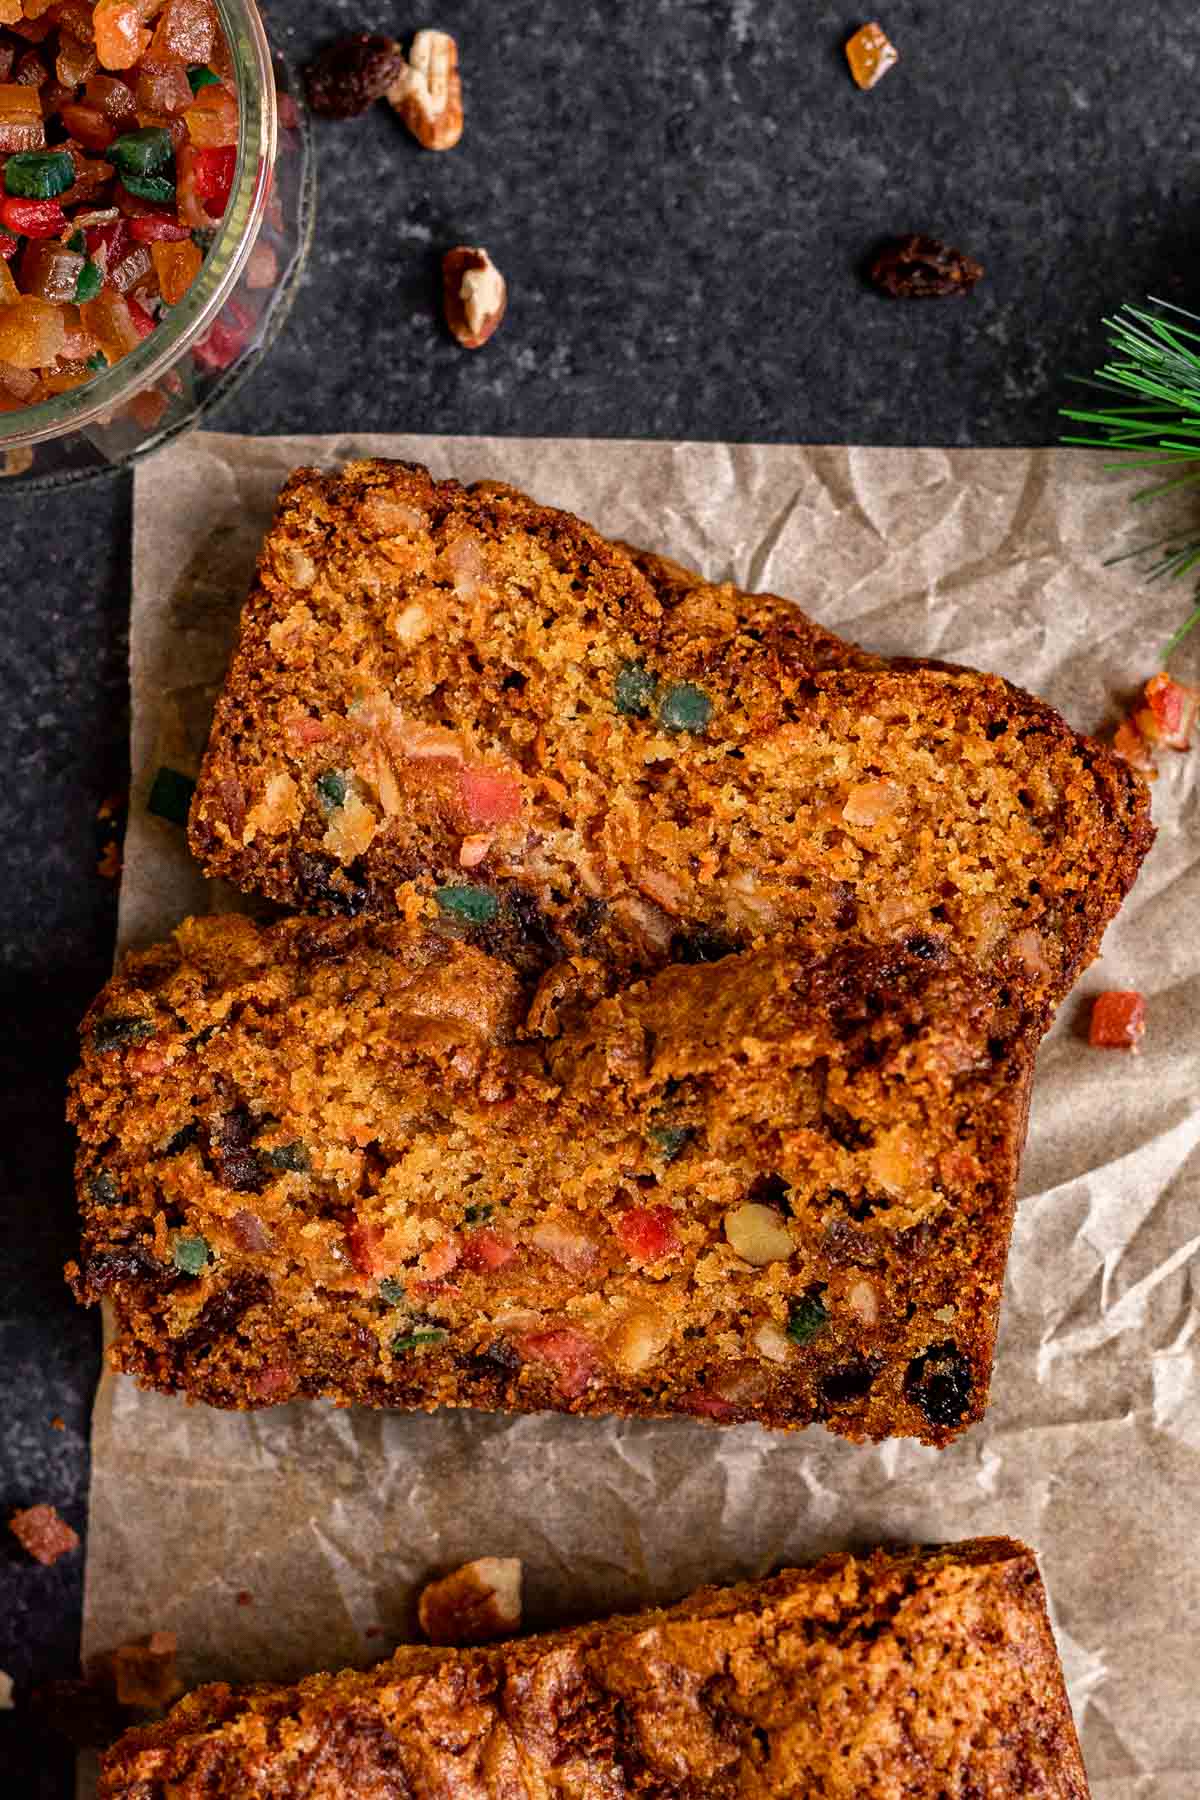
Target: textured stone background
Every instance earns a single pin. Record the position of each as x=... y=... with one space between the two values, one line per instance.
x=680 y=194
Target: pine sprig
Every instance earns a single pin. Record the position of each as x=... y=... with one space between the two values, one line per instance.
x=1156 y=359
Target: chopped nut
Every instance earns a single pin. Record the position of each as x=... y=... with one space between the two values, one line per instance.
x=144 y=1672
x=642 y=1335
x=428 y=91
x=474 y=295
x=772 y=1343
x=758 y=1233
x=871 y=802
x=40 y=1531
x=922 y=268
x=870 y=53
x=475 y=1604
x=863 y=1299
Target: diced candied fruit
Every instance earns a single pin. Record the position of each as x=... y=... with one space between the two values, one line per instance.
x=121 y=34
x=1174 y=706
x=50 y=270
x=870 y=54
x=647 y=1233
x=485 y=1250
x=32 y=332
x=76 y=60
x=109 y=318
x=187 y=29
x=1118 y=1021
x=33 y=218
x=76 y=18
x=43 y=1533
x=212 y=118
x=9 y=291
x=112 y=97
x=1131 y=747
x=22 y=126
x=91 y=176
x=205 y=181
x=490 y=796
x=87 y=125
x=10 y=243
x=571 y=1354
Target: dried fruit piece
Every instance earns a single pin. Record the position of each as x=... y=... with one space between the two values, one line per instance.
x=427 y=94
x=870 y=53
x=144 y=1672
x=40 y=1531
x=1118 y=1021
x=476 y=1604
x=923 y=268
x=349 y=76
x=474 y=294
x=1173 y=706
x=939 y=1383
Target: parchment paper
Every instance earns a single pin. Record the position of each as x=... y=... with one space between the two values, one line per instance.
x=331 y=1519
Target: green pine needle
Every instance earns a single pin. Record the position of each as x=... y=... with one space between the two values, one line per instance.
x=1154 y=360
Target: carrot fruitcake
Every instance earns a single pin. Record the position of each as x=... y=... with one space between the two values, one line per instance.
x=354 y=1159
x=466 y=700
x=909 y=1675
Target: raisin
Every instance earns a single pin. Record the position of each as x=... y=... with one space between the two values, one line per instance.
x=224 y=1310
x=923 y=268
x=291 y=1157
x=329 y=886
x=939 y=1382
x=929 y=949
x=183 y=1139
x=236 y=1163
x=700 y=946
x=103 y=1189
x=850 y=1381
x=128 y=1263
x=351 y=74
x=118 y=1030
x=532 y=923
x=771 y=1190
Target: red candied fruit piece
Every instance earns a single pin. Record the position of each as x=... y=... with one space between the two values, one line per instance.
x=10 y=243
x=33 y=218
x=1174 y=707
x=489 y=796
x=226 y=338
x=1118 y=1020
x=440 y=1258
x=158 y=230
x=40 y=1531
x=484 y=1250
x=707 y=1406
x=87 y=124
x=143 y=322
x=647 y=1233
x=572 y=1355
x=276 y=1382
x=364 y=1243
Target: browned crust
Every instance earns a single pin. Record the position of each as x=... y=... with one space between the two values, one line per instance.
x=583 y=869
x=903 y=1675
x=880 y=1106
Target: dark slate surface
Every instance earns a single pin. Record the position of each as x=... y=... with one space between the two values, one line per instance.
x=680 y=195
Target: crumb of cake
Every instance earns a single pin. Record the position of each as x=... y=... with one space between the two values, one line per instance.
x=43 y=1534
x=475 y=1604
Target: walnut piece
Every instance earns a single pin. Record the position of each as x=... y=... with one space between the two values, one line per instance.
x=428 y=92
x=474 y=295
x=475 y=1604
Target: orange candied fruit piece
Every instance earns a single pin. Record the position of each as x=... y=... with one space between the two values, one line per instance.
x=1118 y=1021
x=110 y=321
x=22 y=126
x=1173 y=706
x=212 y=118
x=871 y=53
x=121 y=35
x=177 y=266
x=32 y=332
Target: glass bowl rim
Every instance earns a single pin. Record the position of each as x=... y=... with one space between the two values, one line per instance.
x=170 y=340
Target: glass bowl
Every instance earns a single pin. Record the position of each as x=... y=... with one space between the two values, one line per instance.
x=207 y=343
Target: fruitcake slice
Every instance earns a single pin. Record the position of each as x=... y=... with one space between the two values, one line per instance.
x=340 y=1158
x=471 y=701
x=900 y=1675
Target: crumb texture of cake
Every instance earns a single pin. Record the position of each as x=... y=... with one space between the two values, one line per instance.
x=912 y=1675
x=465 y=696
x=357 y=1159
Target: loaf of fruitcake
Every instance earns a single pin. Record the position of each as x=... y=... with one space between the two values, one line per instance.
x=355 y=1159
x=469 y=702
x=906 y=1675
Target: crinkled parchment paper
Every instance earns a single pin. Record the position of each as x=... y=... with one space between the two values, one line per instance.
x=329 y=1520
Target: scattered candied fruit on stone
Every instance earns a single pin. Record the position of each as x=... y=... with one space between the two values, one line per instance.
x=1118 y=1020
x=477 y=1604
x=40 y=1531
x=923 y=268
x=870 y=53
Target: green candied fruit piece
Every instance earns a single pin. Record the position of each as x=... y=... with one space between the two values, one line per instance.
x=633 y=690
x=119 y=1030
x=200 y=77
x=158 y=188
x=77 y=242
x=103 y=1189
x=391 y=1290
x=170 y=796
x=669 y=1140
x=39 y=174
x=474 y=904
x=97 y=362
x=806 y=1317
x=684 y=707
x=89 y=283
x=291 y=1157
x=476 y=1215
x=190 y=1254
x=331 y=790
x=140 y=153
x=417 y=1340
